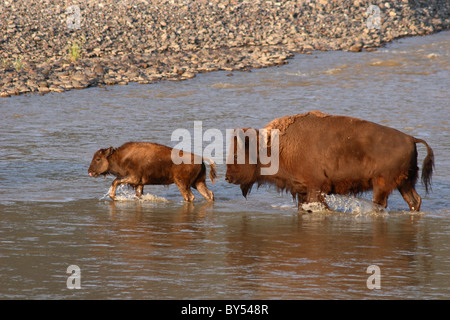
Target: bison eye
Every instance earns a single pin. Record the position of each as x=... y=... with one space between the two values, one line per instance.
x=98 y=159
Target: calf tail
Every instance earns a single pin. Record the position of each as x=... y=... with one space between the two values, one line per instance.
x=212 y=169
x=428 y=165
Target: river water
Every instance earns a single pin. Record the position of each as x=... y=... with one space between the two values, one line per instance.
x=53 y=215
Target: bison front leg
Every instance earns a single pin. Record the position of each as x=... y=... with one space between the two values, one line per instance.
x=316 y=195
x=380 y=195
x=301 y=199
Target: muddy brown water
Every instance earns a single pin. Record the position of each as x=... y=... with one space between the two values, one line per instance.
x=53 y=215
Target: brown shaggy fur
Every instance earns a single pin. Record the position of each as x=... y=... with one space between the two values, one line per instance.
x=145 y=163
x=323 y=154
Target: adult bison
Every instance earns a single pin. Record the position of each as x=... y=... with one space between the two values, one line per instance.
x=321 y=154
x=144 y=163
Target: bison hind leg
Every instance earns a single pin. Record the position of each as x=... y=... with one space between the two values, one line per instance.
x=411 y=196
x=185 y=191
x=204 y=191
x=407 y=190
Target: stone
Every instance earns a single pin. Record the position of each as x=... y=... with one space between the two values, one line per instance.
x=55 y=88
x=188 y=75
x=147 y=40
x=79 y=77
x=77 y=84
x=357 y=47
x=44 y=89
x=42 y=84
x=98 y=69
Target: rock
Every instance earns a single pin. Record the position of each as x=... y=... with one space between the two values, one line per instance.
x=98 y=69
x=23 y=89
x=42 y=84
x=32 y=84
x=44 y=89
x=146 y=41
x=132 y=75
x=4 y=94
x=67 y=86
x=274 y=39
x=188 y=75
x=55 y=88
x=63 y=74
x=77 y=84
x=79 y=77
x=357 y=47
x=110 y=81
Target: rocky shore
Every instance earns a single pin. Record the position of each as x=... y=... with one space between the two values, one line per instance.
x=45 y=46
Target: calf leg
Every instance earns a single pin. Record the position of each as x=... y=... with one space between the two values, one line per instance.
x=119 y=181
x=139 y=190
x=411 y=197
x=204 y=191
x=114 y=185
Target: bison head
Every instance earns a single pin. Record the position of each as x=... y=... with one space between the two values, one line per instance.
x=242 y=159
x=100 y=164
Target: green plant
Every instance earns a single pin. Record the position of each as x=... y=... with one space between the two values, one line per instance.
x=75 y=49
x=5 y=63
x=18 y=64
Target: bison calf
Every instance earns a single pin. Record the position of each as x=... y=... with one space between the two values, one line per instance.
x=144 y=163
x=321 y=154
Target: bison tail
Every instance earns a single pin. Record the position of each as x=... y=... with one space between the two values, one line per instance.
x=212 y=169
x=428 y=165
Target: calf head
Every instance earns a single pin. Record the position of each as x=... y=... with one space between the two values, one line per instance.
x=100 y=163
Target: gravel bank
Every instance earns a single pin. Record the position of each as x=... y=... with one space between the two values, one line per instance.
x=115 y=42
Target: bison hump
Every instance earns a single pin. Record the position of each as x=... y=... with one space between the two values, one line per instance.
x=284 y=122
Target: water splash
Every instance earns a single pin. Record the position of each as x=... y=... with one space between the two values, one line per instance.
x=124 y=193
x=350 y=204
x=339 y=203
x=314 y=207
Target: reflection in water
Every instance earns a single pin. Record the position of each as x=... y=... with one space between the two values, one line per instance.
x=133 y=249
x=54 y=215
